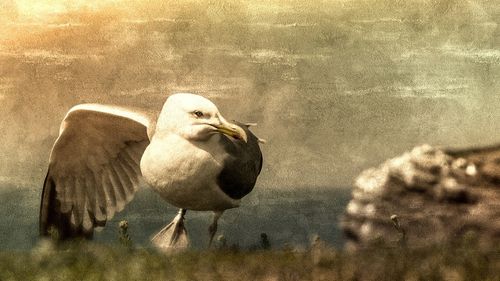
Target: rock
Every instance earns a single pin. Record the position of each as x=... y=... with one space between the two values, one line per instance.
x=428 y=195
x=449 y=189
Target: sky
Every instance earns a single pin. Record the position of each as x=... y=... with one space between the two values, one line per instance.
x=335 y=86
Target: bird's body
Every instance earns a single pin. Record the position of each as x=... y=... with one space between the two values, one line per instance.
x=190 y=155
x=176 y=176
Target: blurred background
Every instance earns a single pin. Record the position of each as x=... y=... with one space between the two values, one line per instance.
x=335 y=86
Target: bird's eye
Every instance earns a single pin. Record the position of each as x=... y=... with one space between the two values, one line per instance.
x=198 y=114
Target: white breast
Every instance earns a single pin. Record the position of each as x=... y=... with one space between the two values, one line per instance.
x=185 y=173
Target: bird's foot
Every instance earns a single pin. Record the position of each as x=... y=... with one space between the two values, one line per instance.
x=173 y=236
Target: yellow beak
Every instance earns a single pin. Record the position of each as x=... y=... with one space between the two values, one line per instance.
x=231 y=130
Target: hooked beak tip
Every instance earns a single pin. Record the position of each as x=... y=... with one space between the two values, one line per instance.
x=239 y=133
x=233 y=131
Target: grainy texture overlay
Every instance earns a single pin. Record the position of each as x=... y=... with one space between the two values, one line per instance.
x=336 y=86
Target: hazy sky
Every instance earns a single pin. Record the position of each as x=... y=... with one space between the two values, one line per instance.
x=336 y=86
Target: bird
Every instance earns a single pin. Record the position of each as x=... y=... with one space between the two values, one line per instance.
x=189 y=154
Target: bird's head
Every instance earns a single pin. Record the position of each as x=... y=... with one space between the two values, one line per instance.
x=195 y=118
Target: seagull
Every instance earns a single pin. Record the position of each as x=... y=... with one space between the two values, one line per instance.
x=190 y=155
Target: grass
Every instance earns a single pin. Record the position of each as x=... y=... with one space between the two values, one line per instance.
x=92 y=261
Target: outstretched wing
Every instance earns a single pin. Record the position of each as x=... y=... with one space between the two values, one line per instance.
x=94 y=169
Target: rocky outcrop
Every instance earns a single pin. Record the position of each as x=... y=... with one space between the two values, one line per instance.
x=433 y=195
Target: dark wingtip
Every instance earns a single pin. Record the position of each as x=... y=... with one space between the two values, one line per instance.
x=52 y=222
x=48 y=196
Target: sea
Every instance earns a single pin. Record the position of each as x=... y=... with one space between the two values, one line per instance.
x=289 y=217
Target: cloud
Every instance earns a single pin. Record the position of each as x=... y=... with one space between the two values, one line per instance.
x=331 y=95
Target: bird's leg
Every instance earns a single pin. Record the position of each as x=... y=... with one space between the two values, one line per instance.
x=174 y=235
x=212 y=229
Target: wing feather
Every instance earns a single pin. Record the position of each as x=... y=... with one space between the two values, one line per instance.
x=79 y=199
x=110 y=193
x=100 y=192
x=65 y=200
x=87 y=221
x=117 y=188
x=130 y=173
x=90 y=188
x=133 y=164
x=125 y=182
x=94 y=168
x=242 y=167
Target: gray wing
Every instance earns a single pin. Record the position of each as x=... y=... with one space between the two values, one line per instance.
x=93 y=170
x=242 y=167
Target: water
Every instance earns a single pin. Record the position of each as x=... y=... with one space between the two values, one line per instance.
x=287 y=217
